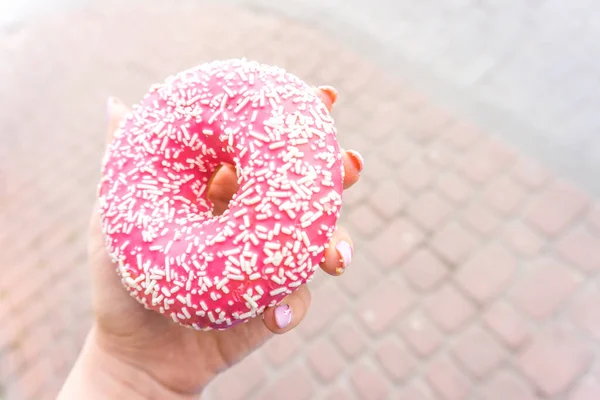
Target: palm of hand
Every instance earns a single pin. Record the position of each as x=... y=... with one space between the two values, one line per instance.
x=182 y=359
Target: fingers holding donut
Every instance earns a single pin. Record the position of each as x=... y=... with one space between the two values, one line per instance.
x=338 y=254
x=328 y=96
x=353 y=166
x=353 y=161
x=289 y=313
x=221 y=188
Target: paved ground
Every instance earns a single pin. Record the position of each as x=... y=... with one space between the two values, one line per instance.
x=476 y=273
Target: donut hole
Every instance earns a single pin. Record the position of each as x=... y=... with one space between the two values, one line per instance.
x=222 y=185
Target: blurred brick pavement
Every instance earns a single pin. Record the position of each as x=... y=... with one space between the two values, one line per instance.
x=476 y=272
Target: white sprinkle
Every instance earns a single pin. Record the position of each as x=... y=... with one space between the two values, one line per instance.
x=277 y=291
x=221 y=283
x=250 y=301
x=259 y=136
x=272 y=246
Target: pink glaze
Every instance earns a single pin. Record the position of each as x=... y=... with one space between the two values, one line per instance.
x=173 y=255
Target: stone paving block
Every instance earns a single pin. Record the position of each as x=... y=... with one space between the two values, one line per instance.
x=368 y=383
x=421 y=335
x=447 y=380
x=381 y=169
x=479 y=217
x=454 y=187
x=584 y=312
x=522 y=239
x=295 y=384
x=414 y=391
x=429 y=210
x=383 y=304
x=544 y=288
x=396 y=361
x=507 y=324
x=388 y=198
x=449 y=308
x=424 y=270
x=454 y=243
x=540 y=361
x=325 y=360
x=416 y=173
x=339 y=393
x=582 y=248
x=504 y=195
x=555 y=208
x=485 y=275
x=477 y=351
x=349 y=337
x=507 y=385
x=364 y=221
x=394 y=243
x=397 y=148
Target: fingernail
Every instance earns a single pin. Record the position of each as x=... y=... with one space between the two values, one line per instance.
x=283 y=315
x=357 y=159
x=345 y=252
x=331 y=92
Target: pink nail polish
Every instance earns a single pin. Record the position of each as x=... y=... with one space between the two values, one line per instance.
x=357 y=159
x=345 y=252
x=283 y=315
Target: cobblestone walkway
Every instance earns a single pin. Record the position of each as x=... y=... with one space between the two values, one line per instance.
x=476 y=272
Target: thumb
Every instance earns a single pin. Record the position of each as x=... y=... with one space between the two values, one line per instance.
x=116 y=111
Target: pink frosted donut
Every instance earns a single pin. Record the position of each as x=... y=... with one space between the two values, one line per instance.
x=173 y=255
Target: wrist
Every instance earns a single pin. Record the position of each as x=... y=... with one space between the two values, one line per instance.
x=99 y=375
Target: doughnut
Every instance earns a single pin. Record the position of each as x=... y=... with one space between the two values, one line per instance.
x=172 y=253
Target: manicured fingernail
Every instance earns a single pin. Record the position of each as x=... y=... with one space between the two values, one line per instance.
x=331 y=92
x=357 y=159
x=345 y=252
x=283 y=315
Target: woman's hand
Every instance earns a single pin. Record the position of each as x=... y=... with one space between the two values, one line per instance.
x=141 y=347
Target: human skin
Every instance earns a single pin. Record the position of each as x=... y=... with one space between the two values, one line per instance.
x=133 y=353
